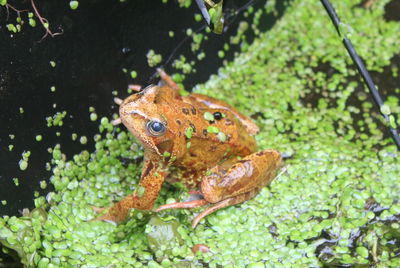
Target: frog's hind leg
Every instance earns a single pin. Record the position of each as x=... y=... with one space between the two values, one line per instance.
x=240 y=182
x=229 y=185
x=188 y=204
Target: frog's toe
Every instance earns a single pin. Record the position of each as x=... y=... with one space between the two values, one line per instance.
x=98 y=209
x=211 y=209
x=188 y=204
x=106 y=217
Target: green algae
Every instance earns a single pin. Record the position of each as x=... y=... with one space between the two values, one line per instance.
x=335 y=203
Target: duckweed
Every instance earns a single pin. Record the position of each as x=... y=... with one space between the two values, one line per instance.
x=43 y=184
x=153 y=59
x=208 y=116
x=93 y=116
x=189 y=132
x=212 y=129
x=56 y=119
x=83 y=139
x=221 y=136
x=23 y=164
x=73 y=4
x=335 y=203
x=32 y=22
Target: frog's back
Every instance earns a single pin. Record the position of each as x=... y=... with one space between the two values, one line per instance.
x=212 y=139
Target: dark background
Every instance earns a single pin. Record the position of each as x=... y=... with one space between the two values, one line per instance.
x=99 y=39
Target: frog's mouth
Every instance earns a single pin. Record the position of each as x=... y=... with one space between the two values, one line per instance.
x=146 y=142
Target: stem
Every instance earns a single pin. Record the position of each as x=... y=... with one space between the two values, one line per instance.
x=16 y=10
x=45 y=23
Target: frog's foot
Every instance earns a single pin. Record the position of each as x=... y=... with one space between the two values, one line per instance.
x=136 y=88
x=202 y=202
x=108 y=216
x=188 y=204
x=222 y=204
x=167 y=79
x=98 y=210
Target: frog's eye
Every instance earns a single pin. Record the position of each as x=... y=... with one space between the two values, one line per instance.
x=155 y=128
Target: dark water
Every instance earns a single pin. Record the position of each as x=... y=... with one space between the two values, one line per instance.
x=100 y=38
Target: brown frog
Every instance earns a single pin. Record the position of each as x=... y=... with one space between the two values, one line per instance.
x=197 y=140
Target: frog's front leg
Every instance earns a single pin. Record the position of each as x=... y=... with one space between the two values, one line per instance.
x=236 y=184
x=142 y=198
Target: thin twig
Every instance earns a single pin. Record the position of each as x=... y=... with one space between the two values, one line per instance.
x=16 y=10
x=45 y=23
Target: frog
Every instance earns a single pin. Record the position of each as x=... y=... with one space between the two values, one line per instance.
x=199 y=141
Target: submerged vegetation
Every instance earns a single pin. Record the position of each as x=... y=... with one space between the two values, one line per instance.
x=336 y=203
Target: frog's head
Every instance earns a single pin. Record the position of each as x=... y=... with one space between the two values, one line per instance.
x=143 y=114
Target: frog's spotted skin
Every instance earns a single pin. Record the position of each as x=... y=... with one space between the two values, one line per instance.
x=218 y=155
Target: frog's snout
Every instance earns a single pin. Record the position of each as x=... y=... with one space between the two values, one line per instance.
x=130 y=99
x=126 y=107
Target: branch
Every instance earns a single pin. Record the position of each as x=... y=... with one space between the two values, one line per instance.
x=45 y=23
x=16 y=10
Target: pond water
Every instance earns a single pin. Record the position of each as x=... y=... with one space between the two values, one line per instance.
x=99 y=40
x=335 y=204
